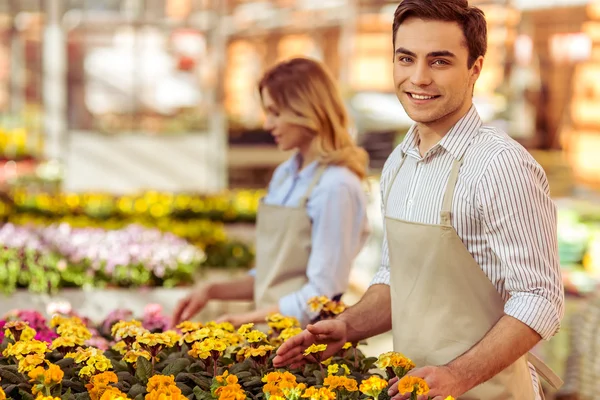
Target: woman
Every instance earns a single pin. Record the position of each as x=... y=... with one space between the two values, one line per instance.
x=313 y=222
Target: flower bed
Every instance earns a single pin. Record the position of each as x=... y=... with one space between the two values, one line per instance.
x=230 y=206
x=48 y=258
x=70 y=358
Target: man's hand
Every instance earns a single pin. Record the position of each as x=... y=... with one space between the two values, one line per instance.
x=191 y=305
x=442 y=382
x=331 y=332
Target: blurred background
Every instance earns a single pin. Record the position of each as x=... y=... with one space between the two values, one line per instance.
x=132 y=153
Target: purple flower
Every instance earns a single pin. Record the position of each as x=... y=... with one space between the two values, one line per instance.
x=46 y=335
x=154 y=320
x=35 y=319
x=114 y=317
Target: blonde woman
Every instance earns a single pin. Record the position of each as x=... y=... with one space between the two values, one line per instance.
x=313 y=221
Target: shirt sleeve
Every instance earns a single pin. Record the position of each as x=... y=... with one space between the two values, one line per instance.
x=519 y=219
x=338 y=233
x=382 y=276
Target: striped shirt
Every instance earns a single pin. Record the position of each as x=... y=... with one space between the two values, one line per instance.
x=502 y=212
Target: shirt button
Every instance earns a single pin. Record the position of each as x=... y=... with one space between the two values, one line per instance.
x=410 y=203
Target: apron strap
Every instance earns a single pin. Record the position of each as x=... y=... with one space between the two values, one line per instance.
x=446 y=214
x=545 y=372
x=320 y=170
x=391 y=182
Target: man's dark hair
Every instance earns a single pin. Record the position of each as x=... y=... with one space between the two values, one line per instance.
x=470 y=19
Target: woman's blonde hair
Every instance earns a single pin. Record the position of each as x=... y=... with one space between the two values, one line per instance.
x=307 y=90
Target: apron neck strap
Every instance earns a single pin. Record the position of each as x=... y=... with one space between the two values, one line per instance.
x=391 y=182
x=313 y=183
x=446 y=214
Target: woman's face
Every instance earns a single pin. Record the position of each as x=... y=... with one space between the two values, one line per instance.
x=287 y=136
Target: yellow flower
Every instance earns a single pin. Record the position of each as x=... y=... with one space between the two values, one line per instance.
x=449 y=398
x=288 y=333
x=197 y=335
x=87 y=371
x=171 y=338
x=255 y=337
x=341 y=382
x=244 y=329
x=47 y=398
x=319 y=394
x=260 y=351
x=279 y=322
x=412 y=384
x=347 y=345
x=315 y=349
x=132 y=356
x=30 y=361
x=188 y=326
x=121 y=347
x=373 y=386
x=2 y=394
x=59 y=320
x=53 y=375
x=112 y=393
x=153 y=339
x=335 y=307
x=157 y=381
x=276 y=383
x=316 y=303
x=230 y=392
x=397 y=361
x=127 y=329
x=65 y=341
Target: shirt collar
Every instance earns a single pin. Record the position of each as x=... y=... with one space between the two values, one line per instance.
x=456 y=141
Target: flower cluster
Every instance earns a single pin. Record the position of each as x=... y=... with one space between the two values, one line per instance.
x=325 y=307
x=229 y=206
x=212 y=361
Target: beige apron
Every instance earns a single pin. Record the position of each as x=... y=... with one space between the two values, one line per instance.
x=443 y=303
x=283 y=248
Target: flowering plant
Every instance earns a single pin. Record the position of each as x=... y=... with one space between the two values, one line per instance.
x=47 y=258
x=209 y=361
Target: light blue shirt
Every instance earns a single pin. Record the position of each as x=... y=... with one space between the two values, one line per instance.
x=337 y=209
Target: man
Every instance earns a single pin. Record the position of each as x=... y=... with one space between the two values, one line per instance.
x=470 y=278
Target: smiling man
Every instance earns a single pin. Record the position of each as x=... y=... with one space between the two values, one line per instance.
x=469 y=279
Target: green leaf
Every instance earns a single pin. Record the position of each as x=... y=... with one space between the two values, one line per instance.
x=143 y=369
x=199 y=380
x=125 y=376
x=185 y=389
x=256 y=381
x=65 y=363
x=368 y=363
x=120 y=366
x=176 y=367
x=243 y=375
x=139 y=397
x=201 y=394
x=67 y=395
x=76 y=385
x=136 y=390
x=227 y=361
x=25 y=395
x=9 y=388
x=10 y=376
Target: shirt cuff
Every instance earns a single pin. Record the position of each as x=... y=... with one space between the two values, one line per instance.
x=536 y=312
x=382 y=277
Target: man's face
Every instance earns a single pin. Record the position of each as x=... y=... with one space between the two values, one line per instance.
x=431 y=74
